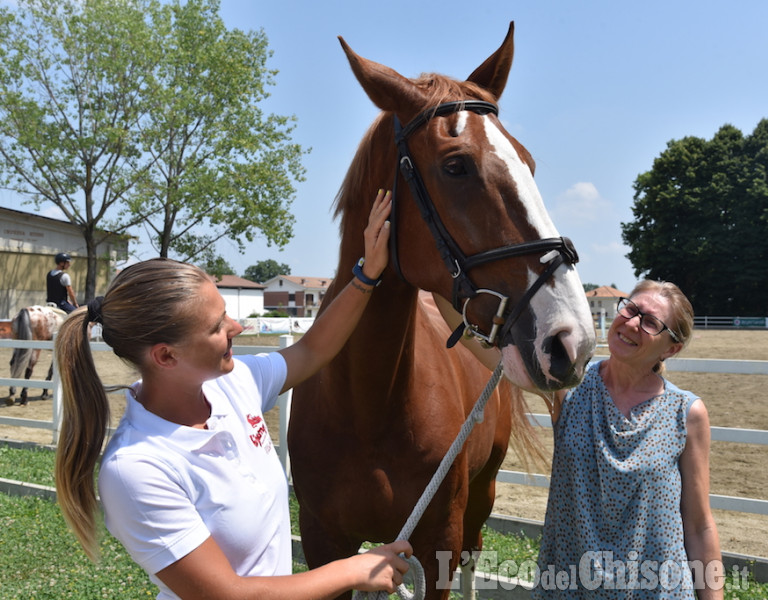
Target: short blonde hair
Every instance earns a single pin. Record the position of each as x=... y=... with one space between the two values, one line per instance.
x=682 y=310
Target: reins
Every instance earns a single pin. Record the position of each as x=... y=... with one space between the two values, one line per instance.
x=474 y=417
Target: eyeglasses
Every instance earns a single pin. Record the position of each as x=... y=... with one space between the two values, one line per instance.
x=648 y=323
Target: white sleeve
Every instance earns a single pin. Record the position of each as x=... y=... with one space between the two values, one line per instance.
x=269 y=372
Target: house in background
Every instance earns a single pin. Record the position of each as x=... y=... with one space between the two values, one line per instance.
x=603 y=300
x=294 y=295
x=242 y=297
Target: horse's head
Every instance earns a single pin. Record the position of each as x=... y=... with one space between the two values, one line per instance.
x=484 y=239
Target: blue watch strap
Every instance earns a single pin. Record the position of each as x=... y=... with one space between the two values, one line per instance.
x=357 y=271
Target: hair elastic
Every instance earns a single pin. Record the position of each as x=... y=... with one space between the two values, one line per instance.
x=94 y=310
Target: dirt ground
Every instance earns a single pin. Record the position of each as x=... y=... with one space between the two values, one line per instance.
x=732 y=400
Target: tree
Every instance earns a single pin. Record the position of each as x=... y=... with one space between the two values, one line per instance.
x=266 y=269
x=218 y=160
x=71 y=75
x=701 y=221
x=217 y=266
x=122 y=112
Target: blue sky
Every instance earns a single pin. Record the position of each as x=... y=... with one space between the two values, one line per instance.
x=596 y=91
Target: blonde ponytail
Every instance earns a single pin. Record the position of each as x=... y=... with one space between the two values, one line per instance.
x=85 y=418
x=151 y=302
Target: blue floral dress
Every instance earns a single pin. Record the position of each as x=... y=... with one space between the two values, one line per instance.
x=613 y=525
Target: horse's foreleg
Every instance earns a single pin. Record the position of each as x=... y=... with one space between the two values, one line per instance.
x=322 y=544
x=437 y=539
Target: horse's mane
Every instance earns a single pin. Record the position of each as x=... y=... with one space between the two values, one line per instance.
x=373 y=165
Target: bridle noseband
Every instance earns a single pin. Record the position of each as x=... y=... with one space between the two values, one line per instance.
x=555 y=251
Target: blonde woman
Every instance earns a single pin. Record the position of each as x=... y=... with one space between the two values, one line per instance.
x=190 y=482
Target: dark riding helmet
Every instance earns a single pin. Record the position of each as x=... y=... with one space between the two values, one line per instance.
x=62 y=257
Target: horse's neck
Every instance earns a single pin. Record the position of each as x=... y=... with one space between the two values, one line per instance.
x=381 y=346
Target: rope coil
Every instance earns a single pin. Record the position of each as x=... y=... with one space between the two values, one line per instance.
x=474 y=417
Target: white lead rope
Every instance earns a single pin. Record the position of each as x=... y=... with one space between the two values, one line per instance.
x=476 y=416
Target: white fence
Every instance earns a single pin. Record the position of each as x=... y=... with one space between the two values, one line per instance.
x=731 y=322
x=695 y=365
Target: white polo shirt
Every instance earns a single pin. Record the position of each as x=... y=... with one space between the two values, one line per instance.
x=166 y=487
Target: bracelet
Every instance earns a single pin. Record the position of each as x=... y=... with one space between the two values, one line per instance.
x=357 y=271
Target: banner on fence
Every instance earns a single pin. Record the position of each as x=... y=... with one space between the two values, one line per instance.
x=750 y=322
x=268 y=325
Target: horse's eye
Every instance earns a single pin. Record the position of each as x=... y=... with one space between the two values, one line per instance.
x=455 y=167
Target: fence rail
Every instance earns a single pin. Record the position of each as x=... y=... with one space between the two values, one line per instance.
x=731 y=322
x=696 y=365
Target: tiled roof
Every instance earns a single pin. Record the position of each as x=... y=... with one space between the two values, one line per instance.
x=606 y=291
x=309 y=282
x=233 y=281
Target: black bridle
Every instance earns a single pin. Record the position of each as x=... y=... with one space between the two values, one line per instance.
x=555 y=251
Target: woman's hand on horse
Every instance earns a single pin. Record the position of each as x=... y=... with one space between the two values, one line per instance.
x=376 y=235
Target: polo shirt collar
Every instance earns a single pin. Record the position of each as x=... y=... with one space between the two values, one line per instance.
x=151 y=425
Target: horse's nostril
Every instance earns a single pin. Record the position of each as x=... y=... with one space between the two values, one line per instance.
x=564 y=356
x=561 y=364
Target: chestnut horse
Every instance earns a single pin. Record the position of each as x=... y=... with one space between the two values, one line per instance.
x=368 y=431
x=32 y=323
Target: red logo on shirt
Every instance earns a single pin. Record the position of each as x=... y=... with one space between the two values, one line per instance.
x=259 y=437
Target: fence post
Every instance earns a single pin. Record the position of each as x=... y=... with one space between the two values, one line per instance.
x=284 y=402
x=57 y=394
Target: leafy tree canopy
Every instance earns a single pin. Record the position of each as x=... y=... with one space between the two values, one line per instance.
x=70 y=77
x=140 y=112
x=701 y=221
x=217 y=266
x=266 y=269
x=221 y=166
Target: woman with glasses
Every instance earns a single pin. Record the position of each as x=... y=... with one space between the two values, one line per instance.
x=628 y=513
x=629 y=492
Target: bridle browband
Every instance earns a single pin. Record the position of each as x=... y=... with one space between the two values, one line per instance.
x=555 y=251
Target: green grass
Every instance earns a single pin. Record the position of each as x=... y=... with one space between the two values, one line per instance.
x=33 y=465
x=40 y=558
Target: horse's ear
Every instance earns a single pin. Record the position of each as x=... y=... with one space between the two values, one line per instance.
x=386 y=88
x=492 y=74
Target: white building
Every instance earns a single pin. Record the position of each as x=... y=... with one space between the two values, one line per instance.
x=243 y=297
x=603 y=300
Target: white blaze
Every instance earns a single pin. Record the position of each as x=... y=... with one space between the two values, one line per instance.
x=527 y=190
x=570 y=320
